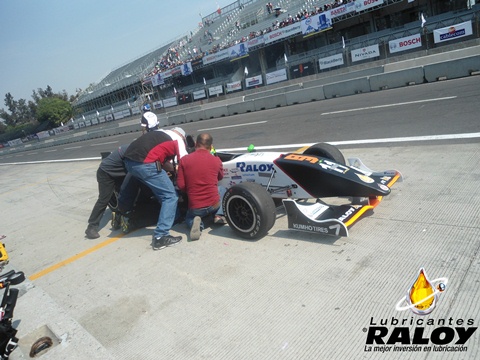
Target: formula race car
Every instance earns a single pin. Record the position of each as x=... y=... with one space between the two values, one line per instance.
x=255 y=181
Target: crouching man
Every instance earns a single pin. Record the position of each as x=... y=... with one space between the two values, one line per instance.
x=198 y=176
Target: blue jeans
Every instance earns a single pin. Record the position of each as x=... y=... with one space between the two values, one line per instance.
x=207 y=211
x=203 y=212
x=163 y=190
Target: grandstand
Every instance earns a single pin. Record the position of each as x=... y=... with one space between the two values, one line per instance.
x=277 y=43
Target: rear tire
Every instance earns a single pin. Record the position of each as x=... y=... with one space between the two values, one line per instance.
x=249 y=210
x=327 y=151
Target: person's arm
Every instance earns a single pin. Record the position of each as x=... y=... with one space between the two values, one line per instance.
x=220 y=170
x=180 y=178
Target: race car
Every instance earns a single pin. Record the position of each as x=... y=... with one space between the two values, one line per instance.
x=301 y=181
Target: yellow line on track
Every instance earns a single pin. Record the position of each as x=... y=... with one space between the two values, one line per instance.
x=74 y=258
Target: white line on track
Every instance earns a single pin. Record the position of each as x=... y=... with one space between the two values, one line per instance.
x=230 y=126
x=105 y=143
x=73 y=147
x=272 y=147
x=368 y=141
x=388 y=105
x=50 y=150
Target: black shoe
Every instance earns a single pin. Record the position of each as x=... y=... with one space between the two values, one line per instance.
x=116 y=220
x=159 y=243
x=92 y=232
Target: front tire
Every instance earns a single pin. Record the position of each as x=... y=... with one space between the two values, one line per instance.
x=327 y=151
x=249 y=210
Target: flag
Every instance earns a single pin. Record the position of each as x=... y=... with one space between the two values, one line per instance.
x=343 y=42
x=246 y=71
x=204 y=81
x=423 y=20
x=174 y=90
x=285 y=56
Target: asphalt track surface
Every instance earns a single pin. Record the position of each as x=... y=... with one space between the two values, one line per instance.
x=290 y=295
x=445 y=108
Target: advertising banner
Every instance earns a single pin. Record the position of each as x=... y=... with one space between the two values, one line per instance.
x=186 y=68
x=156 y=105
x=15 y=142
x=361 y=5
x=238 y=51
x=237 y=85
x=276 y=76
x=330 y=61
x=215 y=90
x=405 y=43
x=316 y=23
x=282 y=33
x=452 y=32
x=368 y=52
x=118 y=115
x=44 y=134
x=157 y=80
x=199 y=94
x=254 y=81
x=342 y=10
x=259 y=40
x=211 y=58
x=169 y=102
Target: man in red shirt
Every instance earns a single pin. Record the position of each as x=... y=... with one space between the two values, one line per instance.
x=198 y=176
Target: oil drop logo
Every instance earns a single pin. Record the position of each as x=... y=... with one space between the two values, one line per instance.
x=423 y=295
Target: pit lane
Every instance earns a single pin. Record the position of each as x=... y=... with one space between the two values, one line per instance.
x=288 y=295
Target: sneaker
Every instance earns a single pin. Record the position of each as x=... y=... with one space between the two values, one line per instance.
x=196 y=231
x=219 y=220
x=159 y=243
x=116 y=220
x=92 y=232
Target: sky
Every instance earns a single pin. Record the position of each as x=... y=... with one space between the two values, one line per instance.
x=71 y=44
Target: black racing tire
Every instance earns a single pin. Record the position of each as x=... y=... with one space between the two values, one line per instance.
x=249 y=210
x=327 y=151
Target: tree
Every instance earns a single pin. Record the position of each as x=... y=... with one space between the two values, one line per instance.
x=54 y=110
x=20 y=112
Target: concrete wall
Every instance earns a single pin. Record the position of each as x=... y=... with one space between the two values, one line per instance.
x=397 y=79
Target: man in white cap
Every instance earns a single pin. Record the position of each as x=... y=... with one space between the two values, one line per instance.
x=149 y=120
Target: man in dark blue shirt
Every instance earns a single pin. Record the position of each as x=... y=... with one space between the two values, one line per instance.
x=110 y=175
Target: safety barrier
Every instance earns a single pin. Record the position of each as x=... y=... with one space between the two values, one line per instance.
x=216 y=112
x=396 y=79
x=344 y=76
x=452 y=69
x=305 y=95
x=276 y=91
x=348 y=87
x=270 y=102
x=242 y=107
x=176 y=119
x=195 y=115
